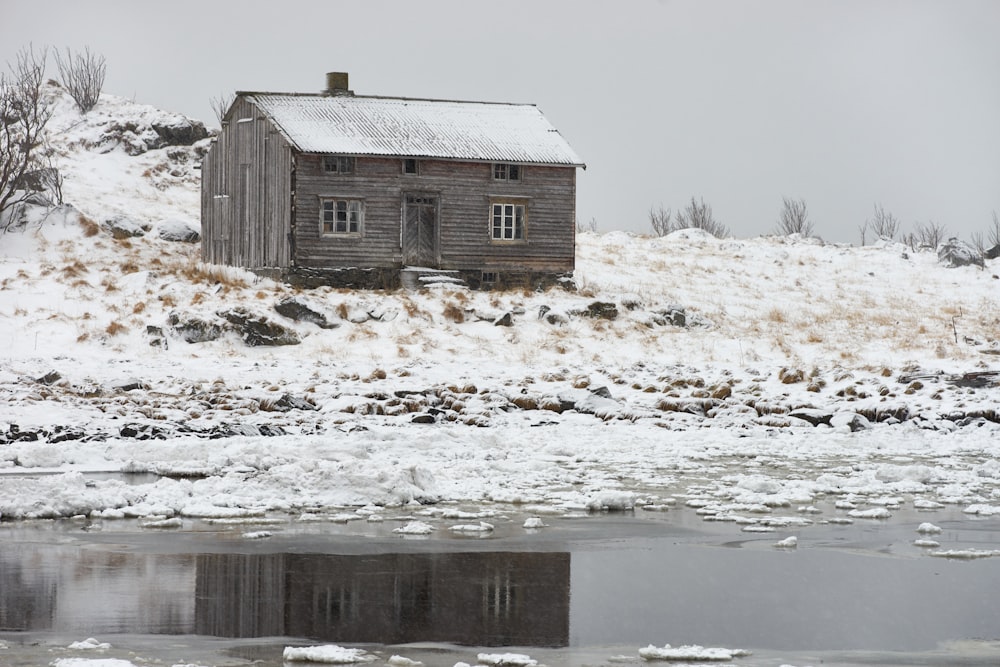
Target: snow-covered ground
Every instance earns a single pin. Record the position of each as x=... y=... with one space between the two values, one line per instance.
x=767 y=381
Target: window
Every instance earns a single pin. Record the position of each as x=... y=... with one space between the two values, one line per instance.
x=338 y=164
x=409 y=166
x=507 y=221
x=341 y=216
x=504 y=171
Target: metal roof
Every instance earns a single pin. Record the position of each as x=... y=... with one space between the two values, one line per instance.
x=393 y=126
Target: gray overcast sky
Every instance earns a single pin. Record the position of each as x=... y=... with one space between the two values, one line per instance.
x=842 y=103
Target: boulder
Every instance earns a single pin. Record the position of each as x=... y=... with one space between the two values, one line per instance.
x=812 y=415
x=955 y=252
x=123 y=227
x=850 y=421
x=256 y=330
x=178 y=231
x=193 y=329
x=179 y=131
x=294 y=309
x=599 y=310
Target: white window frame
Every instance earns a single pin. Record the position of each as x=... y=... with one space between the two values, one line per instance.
x=508 y=221
x=507 y=171
x=331 y=223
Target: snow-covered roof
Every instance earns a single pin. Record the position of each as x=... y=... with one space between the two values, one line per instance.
x=360 y=125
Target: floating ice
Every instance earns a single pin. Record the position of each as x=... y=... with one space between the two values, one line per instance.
x=415 y=528
x=481 y=527
x=504 y=659
x=90 y=643
x=928 y=528
x=328 y=653
x=790 y=542
x=534 y=522
x=692 y=652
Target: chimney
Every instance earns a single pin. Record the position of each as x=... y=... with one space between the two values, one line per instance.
x=336 y=84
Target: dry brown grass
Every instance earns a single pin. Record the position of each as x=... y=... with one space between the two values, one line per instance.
x=90 y=228
x=129 y=266
x=454 y=312
x=115 y=328
x=139 y=308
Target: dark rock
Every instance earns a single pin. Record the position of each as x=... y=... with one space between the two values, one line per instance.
x=193 y=329
x=123 y=227
x=288 y=402
x=602 y=310
x=993 y=252
x=423 y=418
x=130 y=385
x=179 y=131
x=505 y=320
x=811 y=415
x=955 y=252
x=542 y=310
x=178 y=231
x=851 y=420
x=63 y=434
x=603 y=392
x=49 y=378
x=257 y=330
x=294 y=309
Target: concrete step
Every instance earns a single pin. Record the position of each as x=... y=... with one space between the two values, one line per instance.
x=418 y=277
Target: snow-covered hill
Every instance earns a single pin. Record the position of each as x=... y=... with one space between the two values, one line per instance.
x=682 y=353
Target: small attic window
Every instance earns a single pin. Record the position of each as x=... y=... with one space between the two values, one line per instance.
x=338 y=164
x=505 y=171
x=410 y=165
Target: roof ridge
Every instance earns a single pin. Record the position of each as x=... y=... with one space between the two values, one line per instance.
x=383 y=97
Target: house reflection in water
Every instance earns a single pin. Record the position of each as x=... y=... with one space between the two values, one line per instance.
x=482 y=599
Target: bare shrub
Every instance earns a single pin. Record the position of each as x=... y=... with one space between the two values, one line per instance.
x=994 y=232
x=590 y=226
x=661 y=220
x=794 y=218
x=221 y=104
x=925 y=235
x=698 y=215
x=82 y=76
x=883 y=224
x=23 y=116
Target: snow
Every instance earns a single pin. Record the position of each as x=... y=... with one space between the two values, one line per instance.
x=506 y=660
x=551 y=416
x=693 y=653
x=89 y=644
x=327 y=654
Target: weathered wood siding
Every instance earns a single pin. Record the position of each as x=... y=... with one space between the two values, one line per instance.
x=464 y=191
x=246 y=193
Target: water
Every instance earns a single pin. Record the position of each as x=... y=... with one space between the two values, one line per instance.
x=580 y=591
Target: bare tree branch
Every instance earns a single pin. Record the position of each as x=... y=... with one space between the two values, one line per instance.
x=82 y=76
x=23 y=116
x=928 y=235
x=794 y=218
x=661 y=220
x=221 y=104
x=884 y=224
x=698 y=215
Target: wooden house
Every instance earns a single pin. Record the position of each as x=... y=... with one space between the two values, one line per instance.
x=352 y=190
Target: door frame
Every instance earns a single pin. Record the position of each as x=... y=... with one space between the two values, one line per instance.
x=407 y=252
